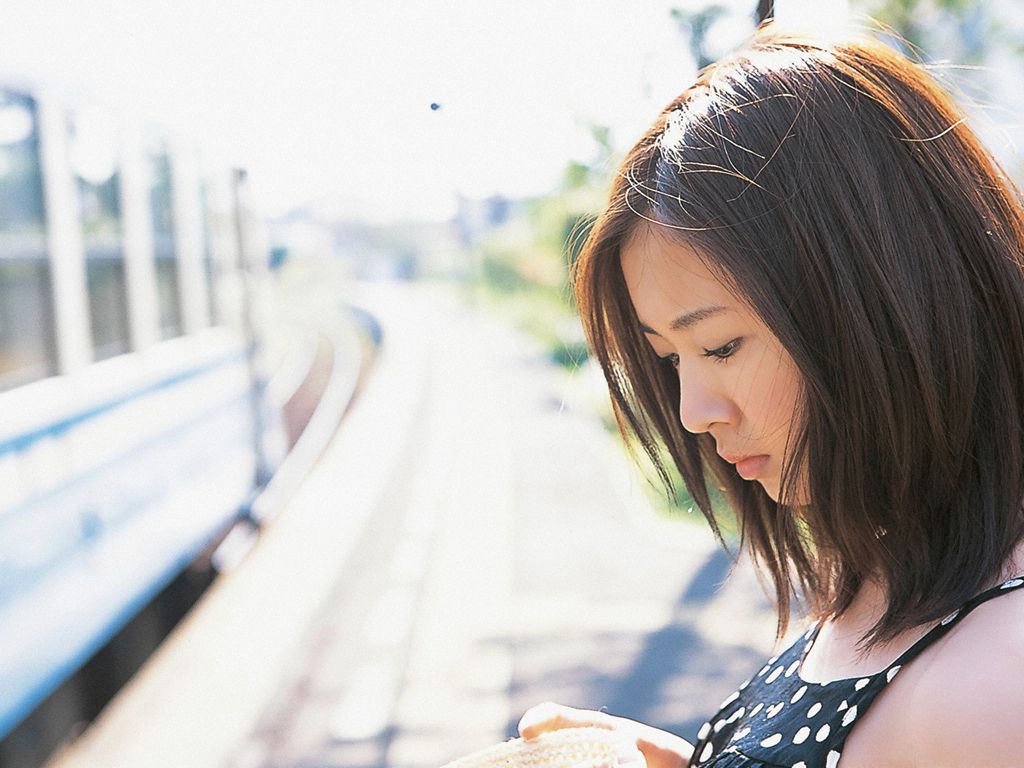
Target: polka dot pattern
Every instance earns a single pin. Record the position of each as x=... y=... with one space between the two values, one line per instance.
x=729 y=700
x=706 y=752
x=776 y=718
x=851 y=715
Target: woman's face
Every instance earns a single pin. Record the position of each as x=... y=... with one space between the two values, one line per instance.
x=736 y=382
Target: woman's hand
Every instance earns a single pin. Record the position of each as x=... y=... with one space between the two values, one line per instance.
x=659 y=748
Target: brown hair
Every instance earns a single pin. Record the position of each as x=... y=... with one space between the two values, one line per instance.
x=836 y=188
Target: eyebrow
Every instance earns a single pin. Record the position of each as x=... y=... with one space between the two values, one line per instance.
x=688 y=319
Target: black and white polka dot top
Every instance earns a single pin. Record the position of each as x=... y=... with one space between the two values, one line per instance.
x=778 y=719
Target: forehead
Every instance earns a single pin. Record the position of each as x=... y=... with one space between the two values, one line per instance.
x=665 y=276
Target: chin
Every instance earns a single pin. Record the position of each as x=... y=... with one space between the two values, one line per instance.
x=771 y=489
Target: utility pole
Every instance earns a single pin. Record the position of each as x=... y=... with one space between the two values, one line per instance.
x=250 y=277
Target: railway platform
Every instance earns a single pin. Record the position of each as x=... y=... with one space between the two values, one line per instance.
x=471 y=542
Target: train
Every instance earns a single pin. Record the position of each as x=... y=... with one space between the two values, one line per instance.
x=135 y=424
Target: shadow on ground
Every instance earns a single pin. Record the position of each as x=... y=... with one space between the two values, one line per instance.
x=673 y=678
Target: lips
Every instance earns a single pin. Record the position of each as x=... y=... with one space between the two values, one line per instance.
x=747 y=467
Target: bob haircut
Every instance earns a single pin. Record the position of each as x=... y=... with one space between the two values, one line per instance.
x=836 y=189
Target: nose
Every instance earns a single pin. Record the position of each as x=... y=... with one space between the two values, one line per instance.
x=701 y=405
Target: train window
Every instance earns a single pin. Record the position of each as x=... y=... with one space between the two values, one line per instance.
x=27 y=341
x=209 y=268
x=162 y=213
x=94 y=158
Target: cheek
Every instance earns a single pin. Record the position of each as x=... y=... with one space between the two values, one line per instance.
x=786 y=394
x=775 y=395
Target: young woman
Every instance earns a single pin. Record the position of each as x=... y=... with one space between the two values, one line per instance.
x=808 y=288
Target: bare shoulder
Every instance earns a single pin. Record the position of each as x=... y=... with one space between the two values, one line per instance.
x=965 y=709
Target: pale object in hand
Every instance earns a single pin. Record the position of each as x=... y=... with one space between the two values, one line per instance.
x=564 y=748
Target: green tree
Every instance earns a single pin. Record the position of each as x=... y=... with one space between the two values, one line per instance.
x=923 y=26
x=694 y=25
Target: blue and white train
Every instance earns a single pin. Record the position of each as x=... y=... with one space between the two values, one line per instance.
x=133 y=426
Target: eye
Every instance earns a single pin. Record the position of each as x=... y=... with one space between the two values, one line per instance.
x=672 y=359
x=724 y=352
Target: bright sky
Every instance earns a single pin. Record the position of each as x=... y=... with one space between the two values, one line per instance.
x=319 y=98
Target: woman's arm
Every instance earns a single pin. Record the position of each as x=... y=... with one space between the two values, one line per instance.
x=660 y=748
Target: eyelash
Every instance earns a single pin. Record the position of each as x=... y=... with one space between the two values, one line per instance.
x=719 y=354
x=724 y=352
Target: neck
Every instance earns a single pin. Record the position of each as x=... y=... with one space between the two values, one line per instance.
x=870 y=601
x=1014 y=565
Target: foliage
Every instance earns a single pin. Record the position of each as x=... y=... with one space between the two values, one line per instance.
x=694 y=25
x=524 y=276
x=961 y=30
x=971 y=47
x=525 y=263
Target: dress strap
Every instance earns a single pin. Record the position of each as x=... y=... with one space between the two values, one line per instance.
x=944 y=626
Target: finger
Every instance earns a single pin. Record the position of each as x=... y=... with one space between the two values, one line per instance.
x=540 y=719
